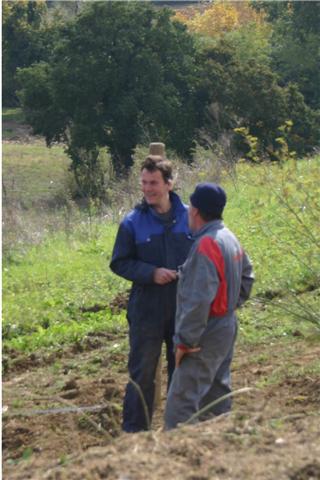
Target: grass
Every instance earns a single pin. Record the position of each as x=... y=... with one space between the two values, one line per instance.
x=49 y=289
x=283 y=248
x=35 y=175
x=56 y=255
x=12 y=115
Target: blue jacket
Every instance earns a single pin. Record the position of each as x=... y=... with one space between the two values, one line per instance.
x=143 y=243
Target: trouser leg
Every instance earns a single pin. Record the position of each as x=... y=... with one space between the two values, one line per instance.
x=185 y=390
x=194 y=378
x=221 y=386
x=170 y=357
x=143 y=360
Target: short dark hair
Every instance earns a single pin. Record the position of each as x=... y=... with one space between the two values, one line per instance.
x=152 y=163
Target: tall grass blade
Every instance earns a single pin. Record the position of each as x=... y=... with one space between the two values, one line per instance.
x=145 y=408
x=215 y=402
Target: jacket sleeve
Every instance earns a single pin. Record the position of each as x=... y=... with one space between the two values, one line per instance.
x=196 y=291
x=124 y=260
x=247 y=280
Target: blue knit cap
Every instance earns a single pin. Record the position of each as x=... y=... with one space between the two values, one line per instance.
x=209 y=198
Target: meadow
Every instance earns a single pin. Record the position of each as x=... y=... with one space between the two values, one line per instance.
x=55 y=267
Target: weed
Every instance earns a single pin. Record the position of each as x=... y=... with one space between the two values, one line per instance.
x=27 y=453
x=17 y=403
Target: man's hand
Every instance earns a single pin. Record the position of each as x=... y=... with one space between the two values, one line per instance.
x=182 y=350
x=162 y=276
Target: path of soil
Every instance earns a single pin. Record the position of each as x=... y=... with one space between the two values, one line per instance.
x=18 y=133
x=273 y=432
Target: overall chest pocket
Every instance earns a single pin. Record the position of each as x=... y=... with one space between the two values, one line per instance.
x=151 y=250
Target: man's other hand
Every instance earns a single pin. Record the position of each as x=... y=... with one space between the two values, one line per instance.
x=162 y=276
x=182 y=350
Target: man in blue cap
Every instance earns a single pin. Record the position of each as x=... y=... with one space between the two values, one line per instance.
x=214 y=281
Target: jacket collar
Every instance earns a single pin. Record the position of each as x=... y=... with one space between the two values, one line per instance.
x=176 y=203
x=214 y=224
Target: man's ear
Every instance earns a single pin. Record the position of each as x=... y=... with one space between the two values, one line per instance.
x=170 y=182
x=196 y=212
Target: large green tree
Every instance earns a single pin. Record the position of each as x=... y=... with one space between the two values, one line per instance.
x=121 y=73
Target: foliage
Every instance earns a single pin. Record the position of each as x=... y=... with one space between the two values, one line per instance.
x=122 y=72
x=221 y=17
x=237 y=54
x=231 y=106
x=281 y=153
x=116 y=74
x=26 y=39
x=288 y=234
x=295 y=42
x=287 y=141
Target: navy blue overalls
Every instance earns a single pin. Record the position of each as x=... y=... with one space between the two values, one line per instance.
x=143 y=243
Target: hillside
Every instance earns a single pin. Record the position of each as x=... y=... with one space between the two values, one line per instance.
x=272 y=433
x=65 y=334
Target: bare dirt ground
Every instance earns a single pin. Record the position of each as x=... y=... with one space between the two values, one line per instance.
x=272 y=433
x=18 y=133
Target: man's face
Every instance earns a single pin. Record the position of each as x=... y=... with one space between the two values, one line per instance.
x=154 y=188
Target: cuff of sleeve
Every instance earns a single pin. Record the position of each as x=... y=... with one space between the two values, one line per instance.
x=150 y=277
x=183 y=347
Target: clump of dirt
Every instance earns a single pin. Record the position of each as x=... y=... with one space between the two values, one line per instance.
x=307 y=472
x=304 y=392
x=14 y=437
x=120 y=302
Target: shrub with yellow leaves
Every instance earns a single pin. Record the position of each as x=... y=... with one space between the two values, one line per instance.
x=219 y=18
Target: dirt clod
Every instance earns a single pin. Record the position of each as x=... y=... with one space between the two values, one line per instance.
x=307 y=472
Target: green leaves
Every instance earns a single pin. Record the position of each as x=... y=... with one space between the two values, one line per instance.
x=120 y=71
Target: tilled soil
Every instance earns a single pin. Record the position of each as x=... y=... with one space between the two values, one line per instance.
x=272 y=433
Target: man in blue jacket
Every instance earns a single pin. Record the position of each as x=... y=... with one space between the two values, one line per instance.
x=214 y=281
x=153 y=240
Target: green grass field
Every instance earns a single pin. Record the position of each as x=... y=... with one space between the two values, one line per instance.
x=49 y=285
x=34 y=174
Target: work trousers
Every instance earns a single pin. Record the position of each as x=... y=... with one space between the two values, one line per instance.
x=145 y=349
x=204 y=376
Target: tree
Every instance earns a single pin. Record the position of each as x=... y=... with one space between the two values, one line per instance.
x=220 y=17
x=247 y=94
x=121 y=72
x=295 y=44
x=22 y=41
